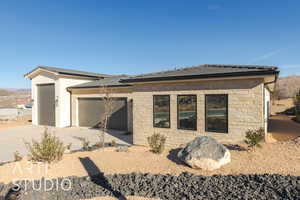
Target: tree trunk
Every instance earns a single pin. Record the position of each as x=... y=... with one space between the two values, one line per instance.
x=104 y=130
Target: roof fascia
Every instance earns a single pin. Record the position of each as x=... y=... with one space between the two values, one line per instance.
x=202 y=76
x=95 y=87
x=201 y=79
x=37 y=71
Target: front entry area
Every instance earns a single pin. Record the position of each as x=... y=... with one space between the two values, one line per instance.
x=91 y=110
x=46 y=104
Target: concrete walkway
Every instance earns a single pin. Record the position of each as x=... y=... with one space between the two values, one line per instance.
x=12 y=140
x=282 y=128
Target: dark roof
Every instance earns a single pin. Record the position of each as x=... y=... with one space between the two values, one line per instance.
x=204 y=71
x=109 y=82
x=70 y=72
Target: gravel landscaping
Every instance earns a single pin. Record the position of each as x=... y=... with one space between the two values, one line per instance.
x=184 y=186
x=270 y=172
x=279 y=158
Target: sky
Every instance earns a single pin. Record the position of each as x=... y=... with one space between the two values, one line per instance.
x=141 y=36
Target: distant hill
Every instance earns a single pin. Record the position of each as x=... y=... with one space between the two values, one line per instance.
x=10 y=98
x=19 y=90
x=13 y=91
x=4 y=92
x=288 y=86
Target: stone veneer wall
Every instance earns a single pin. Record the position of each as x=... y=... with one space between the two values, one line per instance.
x=245 y=109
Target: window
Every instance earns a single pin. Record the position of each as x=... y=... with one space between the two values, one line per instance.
x=187 y=112
x=216 y=113
x=161 y=111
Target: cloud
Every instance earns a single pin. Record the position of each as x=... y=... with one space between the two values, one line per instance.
x=268 y=55
x=214 y=7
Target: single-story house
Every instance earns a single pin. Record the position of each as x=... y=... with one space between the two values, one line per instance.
x=222 y=101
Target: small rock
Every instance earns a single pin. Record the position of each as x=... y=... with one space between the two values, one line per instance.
x=122 y=149
x=297 y=140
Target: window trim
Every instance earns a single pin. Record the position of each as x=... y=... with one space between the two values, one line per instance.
x=196 y=109
x=153 y=117
x=205 y=107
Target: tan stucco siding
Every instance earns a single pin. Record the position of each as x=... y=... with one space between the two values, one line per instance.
x=96 y=93
x=245 y=109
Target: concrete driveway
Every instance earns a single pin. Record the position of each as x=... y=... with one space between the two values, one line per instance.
x=12 y=140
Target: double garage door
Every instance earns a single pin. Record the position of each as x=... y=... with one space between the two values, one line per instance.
x=91 y=110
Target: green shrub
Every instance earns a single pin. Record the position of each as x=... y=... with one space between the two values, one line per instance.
x=297 y=101
x=85 y=144
x=49 y=149
x=17 y=156
x=113 y=143
x=99 y=144
x=254 y=137
x=297 y=106
x=157 y=143
x=68 y=147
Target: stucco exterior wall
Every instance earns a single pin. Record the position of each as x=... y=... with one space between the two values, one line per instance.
x=43 y=78
x=63 y=106
x=96 y=93
x=245 y=109
x=64 y=100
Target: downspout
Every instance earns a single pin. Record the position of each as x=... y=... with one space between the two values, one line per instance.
x=274 y=81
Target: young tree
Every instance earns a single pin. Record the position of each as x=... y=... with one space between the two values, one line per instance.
x=297 y=105
x=274 y=96
x=108 y=109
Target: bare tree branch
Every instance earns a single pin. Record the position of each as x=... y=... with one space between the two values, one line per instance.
x=108 y=110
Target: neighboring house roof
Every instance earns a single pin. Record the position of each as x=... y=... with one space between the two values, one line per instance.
x=109 y=82
x=204 y=71
x=68 y=72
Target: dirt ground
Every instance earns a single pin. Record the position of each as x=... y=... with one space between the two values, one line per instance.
x=281 y=158
x=282 y=127
x=11 y=123
x=279 y=106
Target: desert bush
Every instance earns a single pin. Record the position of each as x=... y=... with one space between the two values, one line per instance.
x=68 y=147
x=99 y=144
x=49 y=149
x=157 y=143
x=254 y=137
x=297 y=106
x=17 y=156
x=113 y=143
x=85 y=144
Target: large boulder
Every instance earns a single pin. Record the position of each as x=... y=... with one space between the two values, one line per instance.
x=204 y=153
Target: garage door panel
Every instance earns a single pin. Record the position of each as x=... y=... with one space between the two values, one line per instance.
x=46 y=104
x=118 y=119
x=91 y=111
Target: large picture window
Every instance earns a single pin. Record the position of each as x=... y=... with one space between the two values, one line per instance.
x=187 y=112
x=161 y=111
x=216 y=113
